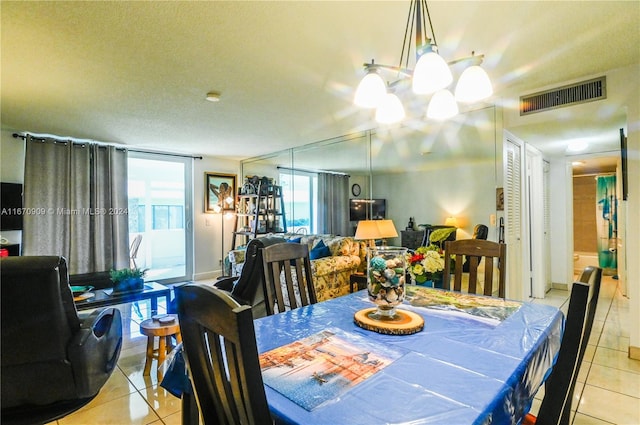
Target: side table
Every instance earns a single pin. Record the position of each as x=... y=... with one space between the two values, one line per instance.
x=357 y=280
x=164 y=328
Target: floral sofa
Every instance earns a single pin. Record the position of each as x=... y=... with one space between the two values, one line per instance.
x=332 y=269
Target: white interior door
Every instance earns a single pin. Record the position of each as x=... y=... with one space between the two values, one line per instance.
x=535 y=229
x=546 y=170
x=513 y=197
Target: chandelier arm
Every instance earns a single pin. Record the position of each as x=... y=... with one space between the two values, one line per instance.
x=433 y=33
x=407 y=36
x=419 y=40
x=406 y=71
x=476 y=58
x=409 y=72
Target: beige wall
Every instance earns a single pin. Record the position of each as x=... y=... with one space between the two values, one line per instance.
x=584 y=215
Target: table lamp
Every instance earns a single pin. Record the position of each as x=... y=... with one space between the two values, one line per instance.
x=451 y=221
x=375 y=229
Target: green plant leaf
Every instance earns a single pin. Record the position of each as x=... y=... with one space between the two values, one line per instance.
x=122 y=274
x=442 y=234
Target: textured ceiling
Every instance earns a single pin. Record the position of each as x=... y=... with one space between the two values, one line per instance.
x=137 y=72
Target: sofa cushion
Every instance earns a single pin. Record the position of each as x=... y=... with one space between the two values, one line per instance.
x=339 y=245
x=319 y=251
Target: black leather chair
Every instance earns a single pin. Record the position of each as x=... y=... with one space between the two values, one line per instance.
x=249 y=288
x=53 y=360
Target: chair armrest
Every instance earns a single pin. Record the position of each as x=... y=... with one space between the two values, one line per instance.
x=94 y=350
x=226 y=283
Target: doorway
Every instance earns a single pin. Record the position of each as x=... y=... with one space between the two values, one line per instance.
x=590 y=239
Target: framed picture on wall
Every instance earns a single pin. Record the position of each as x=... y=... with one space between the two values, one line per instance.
x=219 y=192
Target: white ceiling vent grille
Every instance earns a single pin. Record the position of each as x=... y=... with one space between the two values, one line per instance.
x=586 y=91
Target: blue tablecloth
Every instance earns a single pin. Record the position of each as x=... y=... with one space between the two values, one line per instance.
x=461 y=369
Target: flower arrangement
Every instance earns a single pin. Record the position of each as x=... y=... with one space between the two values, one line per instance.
x=424 y=263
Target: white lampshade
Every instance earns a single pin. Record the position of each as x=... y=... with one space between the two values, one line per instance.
x=390 y=110
x=375 y=229
x=387 y=229
x=431 y=74
x=442 y=106
x=371 y=91
x=474 y=85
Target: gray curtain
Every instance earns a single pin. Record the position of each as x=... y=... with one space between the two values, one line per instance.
x=333 y=204
x=78 y=195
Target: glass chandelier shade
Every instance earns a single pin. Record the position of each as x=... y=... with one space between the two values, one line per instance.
x=431 y=74
x=390 y=111
x=474 y=85
x=442 y=106
x=371 y=91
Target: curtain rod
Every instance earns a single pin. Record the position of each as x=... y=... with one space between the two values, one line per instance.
x=42 y=139
x=595 y=174
x=312 y=171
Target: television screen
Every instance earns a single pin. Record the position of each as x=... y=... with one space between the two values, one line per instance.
x=11 y=204
x=367 y=209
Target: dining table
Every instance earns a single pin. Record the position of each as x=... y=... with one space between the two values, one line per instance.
x=476 y=360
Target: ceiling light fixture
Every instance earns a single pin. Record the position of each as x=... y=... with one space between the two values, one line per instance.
x=432 y=75
x=213 y=96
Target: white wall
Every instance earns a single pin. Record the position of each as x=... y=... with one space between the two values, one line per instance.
x=623 y=93
x=208 y=243
x=465 y=191
x=631 y=83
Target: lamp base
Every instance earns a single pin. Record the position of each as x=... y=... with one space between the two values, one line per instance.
x=402 y=323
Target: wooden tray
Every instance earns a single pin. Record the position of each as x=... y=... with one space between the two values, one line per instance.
x=403 y=323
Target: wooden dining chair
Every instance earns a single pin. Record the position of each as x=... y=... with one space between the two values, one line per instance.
x=475 y=250
x=286 y=290
x=220 y=351
x=559 y=387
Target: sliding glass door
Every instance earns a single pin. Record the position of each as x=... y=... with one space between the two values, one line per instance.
x=160 y=200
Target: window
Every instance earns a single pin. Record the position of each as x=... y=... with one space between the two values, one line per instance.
x=168 y=217
x=300 y=194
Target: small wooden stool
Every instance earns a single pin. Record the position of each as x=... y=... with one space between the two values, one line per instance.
x=164 y=331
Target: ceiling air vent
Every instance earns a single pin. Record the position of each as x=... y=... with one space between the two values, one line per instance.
x=586 y=91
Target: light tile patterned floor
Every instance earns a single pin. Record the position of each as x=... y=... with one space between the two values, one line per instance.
x=608 y=391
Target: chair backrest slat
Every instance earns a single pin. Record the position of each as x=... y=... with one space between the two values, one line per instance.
x=279 y=261
x=473 y=251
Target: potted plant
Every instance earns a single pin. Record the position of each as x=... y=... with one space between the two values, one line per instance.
x=128 y=280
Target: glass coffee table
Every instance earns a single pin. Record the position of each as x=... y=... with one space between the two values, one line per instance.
x=106 y=297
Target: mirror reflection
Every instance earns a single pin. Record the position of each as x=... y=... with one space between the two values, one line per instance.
x=429 y=172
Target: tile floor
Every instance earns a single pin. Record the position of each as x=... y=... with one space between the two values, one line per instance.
x=608 y=391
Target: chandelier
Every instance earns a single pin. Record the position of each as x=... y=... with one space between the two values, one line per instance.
x=431 y=76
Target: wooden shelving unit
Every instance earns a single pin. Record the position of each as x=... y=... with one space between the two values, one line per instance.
x=260 y=213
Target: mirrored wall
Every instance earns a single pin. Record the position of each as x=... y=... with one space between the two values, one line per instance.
x=425 y=170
